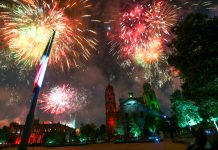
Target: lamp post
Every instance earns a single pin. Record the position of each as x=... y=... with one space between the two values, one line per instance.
x=37 y=86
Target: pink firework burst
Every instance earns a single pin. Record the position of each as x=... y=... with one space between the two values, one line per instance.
x=61 y=99
x=141 y=23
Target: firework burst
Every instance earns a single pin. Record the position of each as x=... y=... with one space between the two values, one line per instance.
x=143 y=23
x=143 y=31
x=63 y=99
x=141 y=34
x=149 y=53
x=28 y=25
x=156 y=73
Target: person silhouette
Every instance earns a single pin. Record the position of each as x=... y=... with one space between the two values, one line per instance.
x=200 y=139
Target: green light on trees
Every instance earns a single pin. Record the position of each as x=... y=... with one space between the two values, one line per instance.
x=187 y=112
x=135 y=129
x=119 y=129
x=83 y=139
x=50 y=141
x=2 y=141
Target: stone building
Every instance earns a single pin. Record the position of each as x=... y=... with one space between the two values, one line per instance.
x=39 y=131
x=131 y=117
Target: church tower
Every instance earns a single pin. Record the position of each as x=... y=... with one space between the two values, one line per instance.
x=110 y=107
x=150 y=98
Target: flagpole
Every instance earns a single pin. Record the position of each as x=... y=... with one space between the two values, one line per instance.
x=37 y=86
x=29 y=122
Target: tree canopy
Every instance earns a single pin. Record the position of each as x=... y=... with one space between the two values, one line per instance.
x=195 y=54
x=187 y=112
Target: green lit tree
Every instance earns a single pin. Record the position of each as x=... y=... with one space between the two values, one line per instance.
x=187 y=113
x=6 y=135
x=195 y=55
x=54 y=137
x=209 y=108
x=88 y=132
x=152 y=124
x=209 y=111
x=119 y=128
x=134 y=128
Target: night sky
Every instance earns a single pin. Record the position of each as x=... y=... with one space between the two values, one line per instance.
x=101 y=69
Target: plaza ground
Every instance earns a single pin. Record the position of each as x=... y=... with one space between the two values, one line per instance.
x=166 y=145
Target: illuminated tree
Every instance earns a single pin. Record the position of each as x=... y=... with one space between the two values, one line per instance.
x=88 y=131
x=119 y=128
x=6 y=135
x=135 y=129
x=152 y=124
x=54 y=137
x=209 y=111
x=187 y=113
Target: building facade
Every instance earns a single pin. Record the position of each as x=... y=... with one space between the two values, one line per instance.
x=133 y=115
x=39 y=131
x=110 y=107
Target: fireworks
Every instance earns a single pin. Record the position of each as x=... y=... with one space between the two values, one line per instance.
x=14 y=98
x=28 y=24
x=151 y=54
x=144 y=23
x=139 y=37
x=156 y=73
x=143 y=31
x=61 y=99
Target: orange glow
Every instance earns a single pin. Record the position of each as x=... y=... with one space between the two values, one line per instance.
x=151 y=53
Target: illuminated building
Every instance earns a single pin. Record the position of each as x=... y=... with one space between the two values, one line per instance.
x=39 y=131
x=129 y=118
x=110 y=105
